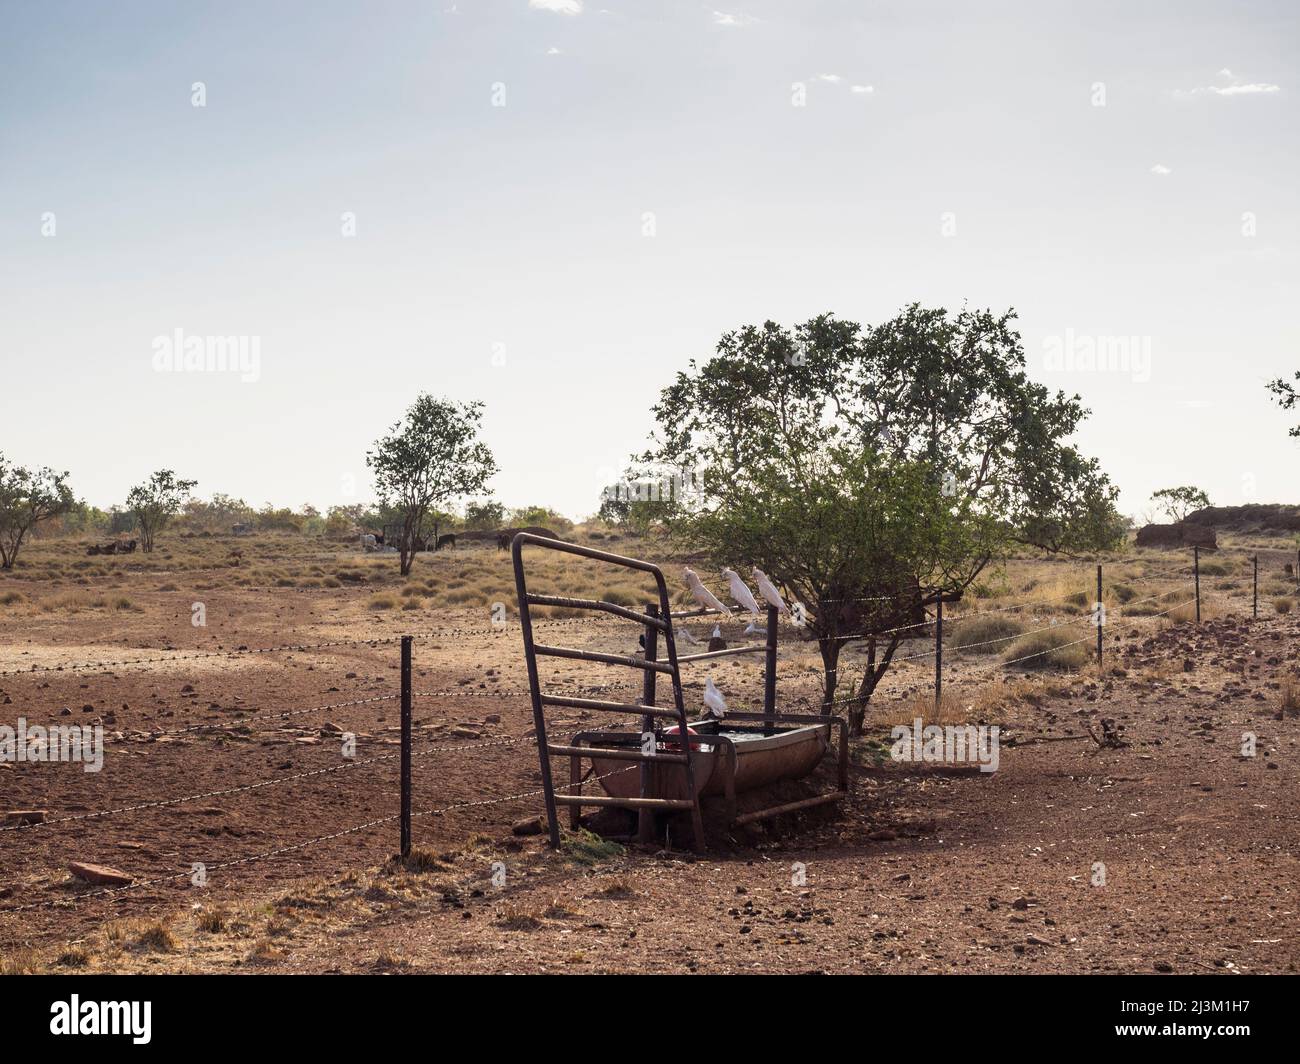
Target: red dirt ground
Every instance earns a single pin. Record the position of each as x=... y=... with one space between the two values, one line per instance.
x=923 y=871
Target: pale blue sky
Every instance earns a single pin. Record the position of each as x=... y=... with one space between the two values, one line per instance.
x=483 y=229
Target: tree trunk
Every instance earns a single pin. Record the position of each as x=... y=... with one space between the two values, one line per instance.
x=406 y=549
x=830 y=651
x=871 y=678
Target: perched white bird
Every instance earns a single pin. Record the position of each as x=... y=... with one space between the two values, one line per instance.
x=739 y=591
x=768 y=590
x=714 y=703
x=702 y=594
x=716 y=642
x=687 y=637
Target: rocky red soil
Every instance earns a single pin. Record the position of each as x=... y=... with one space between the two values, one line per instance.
x=924 y=870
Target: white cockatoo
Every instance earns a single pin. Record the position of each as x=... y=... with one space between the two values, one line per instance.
x=768 y=590
x=753 y=629
x=687 y=637
x=702 y=594
x=739 y=591
x=714 y=703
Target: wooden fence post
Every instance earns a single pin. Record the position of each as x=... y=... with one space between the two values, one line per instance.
x=938 y=657
x=1101 y=614
x=1196 y=572
x=406 y=746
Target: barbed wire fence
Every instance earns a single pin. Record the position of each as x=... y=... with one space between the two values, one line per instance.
x=1187 y=592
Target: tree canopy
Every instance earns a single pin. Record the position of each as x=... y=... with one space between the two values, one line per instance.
x=427 y=459
x=155 y=502
x=1178 y=502
x=872 y=470
x=27 y=497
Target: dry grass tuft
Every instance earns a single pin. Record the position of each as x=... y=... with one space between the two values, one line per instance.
x=1052 y=648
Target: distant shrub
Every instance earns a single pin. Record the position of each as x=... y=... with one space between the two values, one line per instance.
x=619 y=596
x=986 y=635
x=1052 y=648
x=382 y=602
x=1282 y=606
x=1123 y=593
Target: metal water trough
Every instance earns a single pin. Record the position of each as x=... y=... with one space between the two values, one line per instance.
x=746 y=751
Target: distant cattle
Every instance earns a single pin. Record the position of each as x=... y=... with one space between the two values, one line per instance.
x=241 y=530
x=507 y=535
x=127 y=547
x=449 y=540
x=111 y=548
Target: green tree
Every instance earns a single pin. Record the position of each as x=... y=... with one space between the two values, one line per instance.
x=484 y=515
x=155 y=503
x=871 y=471
x=524 y=516
x=432 y=456
x=1286 y=395
x=1178 y=502
x=28 y=497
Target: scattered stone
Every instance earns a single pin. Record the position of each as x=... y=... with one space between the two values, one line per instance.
x=25 y=816
x=101 y=875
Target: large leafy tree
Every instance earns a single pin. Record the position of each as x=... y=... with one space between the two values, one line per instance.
x=155 y=502
x=429 y=458
x=27 y=497
x=1178 y=502
x=873 y=471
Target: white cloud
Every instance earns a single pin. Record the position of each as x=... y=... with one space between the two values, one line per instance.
x=560 y=7
x=1245 y=90
x=1237 y=88
x=834 y=79
x=1161 y=169
x=722 y=18
x=553 y=51
x=862 y=88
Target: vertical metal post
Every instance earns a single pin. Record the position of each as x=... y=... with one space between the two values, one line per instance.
x=406 y=745
x=535 y=690
x=645 y=818
x=1254 y=603
x=938 y=657
x=1196 y=572
x=769 y=673
x=1100 y=617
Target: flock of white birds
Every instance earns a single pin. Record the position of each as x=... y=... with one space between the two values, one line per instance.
x=715 y=705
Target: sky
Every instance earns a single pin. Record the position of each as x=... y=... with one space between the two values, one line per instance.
x=552 y=206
